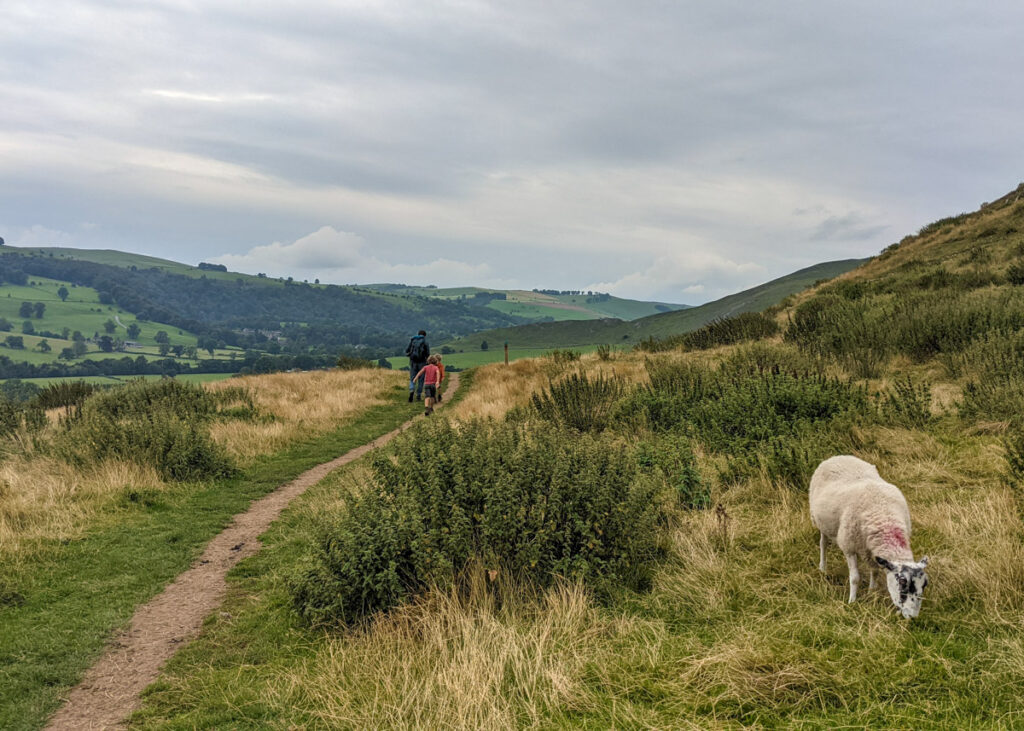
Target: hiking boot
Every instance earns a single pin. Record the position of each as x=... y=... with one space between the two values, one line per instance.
x=410 y=397
x=428 y=412
x=419 y=397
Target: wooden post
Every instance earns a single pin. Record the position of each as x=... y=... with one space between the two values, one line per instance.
x=506 y=352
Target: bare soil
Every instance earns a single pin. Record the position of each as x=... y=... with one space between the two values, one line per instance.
x=110 y=690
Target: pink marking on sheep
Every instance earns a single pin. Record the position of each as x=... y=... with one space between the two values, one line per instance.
x=893 y=536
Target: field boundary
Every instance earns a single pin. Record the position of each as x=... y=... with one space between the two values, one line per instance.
x=110 y=690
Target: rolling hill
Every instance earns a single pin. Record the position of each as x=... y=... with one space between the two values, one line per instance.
x=541 y=304
x=584 y=333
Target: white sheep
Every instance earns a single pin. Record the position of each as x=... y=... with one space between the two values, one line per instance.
x=852 y=506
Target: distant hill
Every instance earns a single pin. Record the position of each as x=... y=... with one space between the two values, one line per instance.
x=237 y=310
x=617 y=332
x=541 y=304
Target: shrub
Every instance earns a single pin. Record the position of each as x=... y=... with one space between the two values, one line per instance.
x=579 y=403
x=671 y=458
x=906 y=404
x=604 y=352
x=161 y=423
x=724 y=331
x=526 y=500
x=348 y=363
x=1015 y=273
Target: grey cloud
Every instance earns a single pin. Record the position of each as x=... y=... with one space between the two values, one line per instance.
x=896 y=113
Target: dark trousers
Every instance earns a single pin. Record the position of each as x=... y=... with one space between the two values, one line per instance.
x=415 y=385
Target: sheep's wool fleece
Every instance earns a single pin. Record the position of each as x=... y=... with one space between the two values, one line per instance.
x=859 y=511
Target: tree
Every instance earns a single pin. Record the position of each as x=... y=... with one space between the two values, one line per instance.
x=106 y=344
x=28 y=328
x=178 y=349
x=483 y=345
x=5 y=324
x=65 y=333
x=25 y=310
x=79 y=347
x=39 y=309
x=15 y=342
x=133 y=331
x=110 y=326
x=161 y=336
x=164 y=348
x=44 y=346
x=190 y=351
x=77 y=335
x=63 y=293
x=66 y=354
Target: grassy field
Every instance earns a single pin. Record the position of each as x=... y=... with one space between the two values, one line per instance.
x=483 y=357
x=525 y=303
x=577 y=334
x=80 y=548
x=736 y=628
x=82 y=312
x=121 y=380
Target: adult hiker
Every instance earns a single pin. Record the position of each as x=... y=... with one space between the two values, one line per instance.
x=418 y=351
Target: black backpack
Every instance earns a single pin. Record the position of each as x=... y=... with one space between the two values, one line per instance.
x=418 y=350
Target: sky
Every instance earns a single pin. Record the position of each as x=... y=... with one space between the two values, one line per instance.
x=665 y=150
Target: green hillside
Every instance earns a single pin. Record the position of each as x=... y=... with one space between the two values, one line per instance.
x=617 y=332
x=83 y=312
x=539 y=305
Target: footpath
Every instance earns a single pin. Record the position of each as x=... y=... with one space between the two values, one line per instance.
x=110 y=690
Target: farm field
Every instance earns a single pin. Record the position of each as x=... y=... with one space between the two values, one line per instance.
x=483 y=357
x=82 y=311
x=121 y=380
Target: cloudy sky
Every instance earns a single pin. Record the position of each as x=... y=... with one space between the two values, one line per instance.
x=666 y=150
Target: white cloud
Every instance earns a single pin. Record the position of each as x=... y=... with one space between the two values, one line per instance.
x=682 y=276
x=340 y=257
x=38 y=235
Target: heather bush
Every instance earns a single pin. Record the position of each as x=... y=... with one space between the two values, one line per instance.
x=527 y=500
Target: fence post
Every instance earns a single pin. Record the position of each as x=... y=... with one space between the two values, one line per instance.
x=506 y=352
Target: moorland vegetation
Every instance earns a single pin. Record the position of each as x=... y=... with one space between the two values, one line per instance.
x=483 y=603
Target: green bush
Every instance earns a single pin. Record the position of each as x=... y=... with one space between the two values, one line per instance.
x=671 y=459
x=995 y=389
x=164 y=424
x=907 y=404
x=724 y=331
x=578 y=402
x=527 y=500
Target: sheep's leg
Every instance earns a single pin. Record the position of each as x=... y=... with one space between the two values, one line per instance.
x=851 y=561
x=822 y=544
x=871 y=579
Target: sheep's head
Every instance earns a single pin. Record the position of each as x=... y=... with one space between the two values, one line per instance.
x=906 y=581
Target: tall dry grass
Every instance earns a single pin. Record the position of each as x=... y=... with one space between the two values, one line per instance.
x=294 y=405
x=45 y=498
x=499 y=388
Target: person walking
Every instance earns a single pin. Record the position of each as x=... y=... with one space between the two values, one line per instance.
x=431 y=377
x=418 y=352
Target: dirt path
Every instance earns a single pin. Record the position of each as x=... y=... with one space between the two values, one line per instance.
x=110 y=690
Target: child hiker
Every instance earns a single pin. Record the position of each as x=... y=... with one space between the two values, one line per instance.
x=440 y=378
x=431 y=377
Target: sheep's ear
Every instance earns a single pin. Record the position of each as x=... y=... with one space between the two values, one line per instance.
x=888 y=566
x=924 y=561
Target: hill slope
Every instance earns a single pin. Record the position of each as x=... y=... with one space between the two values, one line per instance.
x=538 y=305
x=615 y=331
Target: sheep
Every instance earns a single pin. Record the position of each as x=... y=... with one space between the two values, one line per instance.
x=852 y=506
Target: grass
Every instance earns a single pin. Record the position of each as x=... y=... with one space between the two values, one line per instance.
x=113 y=540
x=494 y=354
x=120 y=380
x=578 y=334
x=738 y=630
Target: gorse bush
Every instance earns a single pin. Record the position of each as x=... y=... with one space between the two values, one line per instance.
x=164 y=424
x=724 y=331
x=529 y=501
x=579 y=402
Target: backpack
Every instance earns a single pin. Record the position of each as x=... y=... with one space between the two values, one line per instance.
x=418 y=350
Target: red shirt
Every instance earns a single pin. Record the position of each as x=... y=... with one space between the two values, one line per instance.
x=431 y=374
